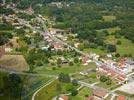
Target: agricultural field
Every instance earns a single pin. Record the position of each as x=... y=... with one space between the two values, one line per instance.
x=14 y=62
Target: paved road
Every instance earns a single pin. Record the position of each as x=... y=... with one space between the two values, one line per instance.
x=46 y=84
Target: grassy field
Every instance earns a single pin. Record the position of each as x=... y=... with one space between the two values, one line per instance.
x=81 y=95
x=104 y=85
x=14 y=62
x=48 y=69
x=51 y=91
x=126 y=47
x=109 y=18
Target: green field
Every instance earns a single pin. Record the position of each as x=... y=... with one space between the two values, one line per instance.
x=126 y=47
x=109 y=18
x=64 y=69
x=51 y=91
x=81 y=95
x=104 y=85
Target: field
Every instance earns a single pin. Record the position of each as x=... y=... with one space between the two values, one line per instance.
x=81 y=95
x=109 y=18
x=51 y=91
x=126 y=47
x=14 y=62
x=104 y=85
x=48 y=69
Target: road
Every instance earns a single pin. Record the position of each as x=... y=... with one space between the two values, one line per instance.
x=43 y=86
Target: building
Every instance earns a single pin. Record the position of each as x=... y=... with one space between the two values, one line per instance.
x=100 y=93
x=121 y=98
x=90 y=98
x=104 y=70
x=63 y=98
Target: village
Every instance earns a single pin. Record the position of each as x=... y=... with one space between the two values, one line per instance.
x=35 y=47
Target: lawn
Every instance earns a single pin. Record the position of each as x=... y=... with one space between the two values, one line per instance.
x=109 y=18
x=104 y=85
x=48 y=69
x=14 y=62
x=51 y=91
x=81 y=95
x=126 y=47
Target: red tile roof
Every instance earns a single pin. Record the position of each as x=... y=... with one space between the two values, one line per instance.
x=100 y=93
x=90 y=98
x=64 y=97
x=121 y=98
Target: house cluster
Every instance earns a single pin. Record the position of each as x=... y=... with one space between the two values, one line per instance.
x=116 y=70
x=102 y=94
x=55 y=45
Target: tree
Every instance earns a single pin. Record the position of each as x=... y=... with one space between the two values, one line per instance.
x=76 y=60
x=74 y=92
x=64 y=78
x=71 y=63
x=117 y=55
x=103 y=78
x=75 y=82
x=118 y=42
x=13 y=85
x=111 y=48
x=109 y=82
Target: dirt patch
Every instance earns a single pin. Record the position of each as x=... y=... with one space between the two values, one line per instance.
x=14 y=62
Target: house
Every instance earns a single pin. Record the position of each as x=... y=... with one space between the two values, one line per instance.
x=90 y=98
x=121 y=97
x=85 y=60
x=104 y=70
x=63 y=98
x=100 y=93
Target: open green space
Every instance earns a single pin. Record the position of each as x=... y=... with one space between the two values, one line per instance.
x=126 y=46
x=109 y=18
x=104 y=85
x=82 y=93
x=52 y=90
x=48 y=69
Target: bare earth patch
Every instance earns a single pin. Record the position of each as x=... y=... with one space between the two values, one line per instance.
x=14 y=62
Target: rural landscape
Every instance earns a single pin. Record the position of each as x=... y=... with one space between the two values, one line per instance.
x=66 y=49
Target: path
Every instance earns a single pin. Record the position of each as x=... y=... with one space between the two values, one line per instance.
x=33 y=97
